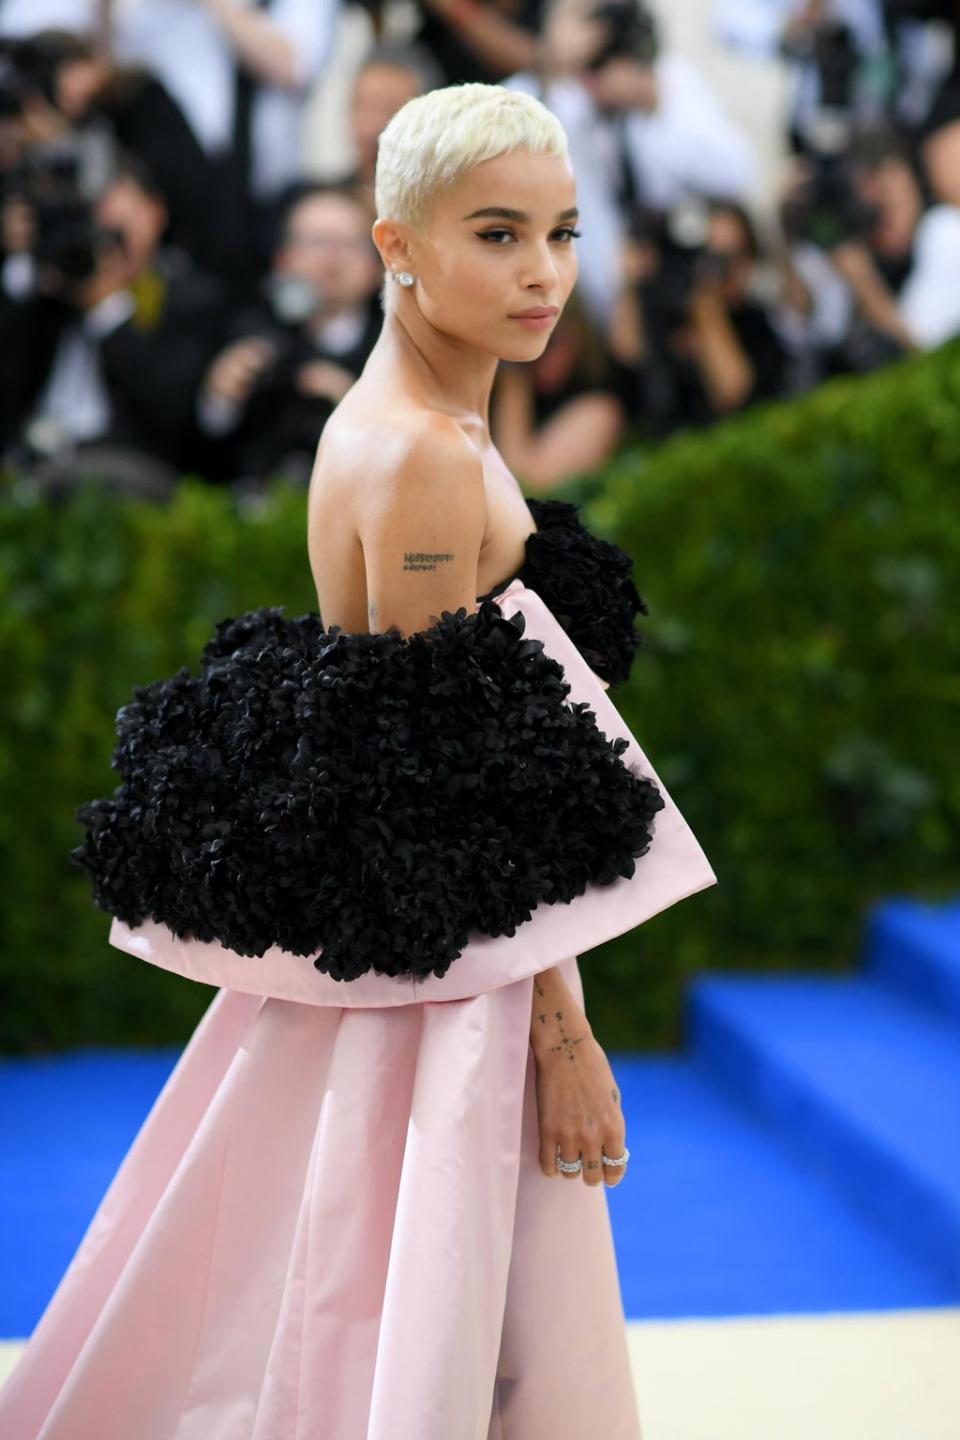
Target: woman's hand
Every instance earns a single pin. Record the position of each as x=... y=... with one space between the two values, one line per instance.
x=578 y=1102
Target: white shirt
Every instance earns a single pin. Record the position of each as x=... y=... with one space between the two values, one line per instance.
x=184 y=46
x=929 y=299
x=687 y=147
x=74 y=401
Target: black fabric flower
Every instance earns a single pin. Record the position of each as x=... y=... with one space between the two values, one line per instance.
x=378 y=796
x=587 y=583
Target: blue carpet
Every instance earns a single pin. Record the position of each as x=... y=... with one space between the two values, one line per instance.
x=66 y=1121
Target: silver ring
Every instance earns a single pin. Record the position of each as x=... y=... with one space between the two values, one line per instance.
x=622 y=1161
x=569 y=1167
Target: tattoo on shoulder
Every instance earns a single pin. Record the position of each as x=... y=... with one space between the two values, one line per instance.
x=423 y=559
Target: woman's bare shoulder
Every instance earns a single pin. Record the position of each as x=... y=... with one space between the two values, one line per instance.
x=376 y=449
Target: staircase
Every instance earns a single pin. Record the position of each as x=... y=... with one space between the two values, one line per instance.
x=804 y=1152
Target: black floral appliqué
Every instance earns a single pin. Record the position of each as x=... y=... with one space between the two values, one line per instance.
x=586 y=582
x=374 y=796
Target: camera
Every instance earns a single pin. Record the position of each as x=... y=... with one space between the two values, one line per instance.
x=827 y=209
x=291 y=302
x=60 y=180
x=679 y=236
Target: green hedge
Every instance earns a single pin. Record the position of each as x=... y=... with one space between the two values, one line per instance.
x=798 y=695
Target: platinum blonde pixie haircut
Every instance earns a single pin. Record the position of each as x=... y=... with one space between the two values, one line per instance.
x=434 y=138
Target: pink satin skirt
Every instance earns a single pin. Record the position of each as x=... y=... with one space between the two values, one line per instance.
x=333 y=1225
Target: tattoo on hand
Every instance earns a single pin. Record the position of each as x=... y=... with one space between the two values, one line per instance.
x=566 y=1044
x=423 y=560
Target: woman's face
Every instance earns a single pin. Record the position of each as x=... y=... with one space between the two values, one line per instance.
x=476 y=271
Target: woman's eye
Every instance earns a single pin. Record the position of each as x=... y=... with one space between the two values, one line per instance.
x=564 y=230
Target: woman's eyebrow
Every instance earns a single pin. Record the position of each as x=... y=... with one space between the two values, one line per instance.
x=504 y=213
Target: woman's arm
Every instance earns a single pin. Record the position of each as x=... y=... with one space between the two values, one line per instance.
x=556 y=1021
x=578 y=1102
x=422 y=526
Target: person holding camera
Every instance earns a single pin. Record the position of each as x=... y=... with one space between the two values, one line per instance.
x=694 y=341
x=645 y=129
x=105 y=333
x=853 y=62
x=267 y=395
x=61 y=85
x=896 y=255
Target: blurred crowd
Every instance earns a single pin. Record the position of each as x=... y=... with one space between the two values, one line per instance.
x=181 y=291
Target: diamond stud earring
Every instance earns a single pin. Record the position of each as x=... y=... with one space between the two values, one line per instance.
x=402 y=277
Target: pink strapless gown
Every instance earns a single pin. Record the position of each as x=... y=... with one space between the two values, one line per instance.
x=332 y=1224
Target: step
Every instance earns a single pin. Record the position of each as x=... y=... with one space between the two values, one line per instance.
x=717 y=1216
x=916 y=947
x=862 y=1080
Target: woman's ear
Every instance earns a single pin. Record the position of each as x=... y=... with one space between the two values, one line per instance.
x=390 y=240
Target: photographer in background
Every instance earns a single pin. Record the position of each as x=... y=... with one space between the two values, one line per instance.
x=645 y=130
x=866 y=60
x=105 y=334
x=697 y=343
x=268 y=394
x=54 y=83
x=897 y=256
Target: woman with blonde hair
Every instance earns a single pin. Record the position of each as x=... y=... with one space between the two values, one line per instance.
x=369 y=1200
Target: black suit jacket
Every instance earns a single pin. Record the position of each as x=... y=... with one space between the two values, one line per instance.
x=152 y=364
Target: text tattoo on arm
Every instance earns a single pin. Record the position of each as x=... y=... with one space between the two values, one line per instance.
x=423 y=559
